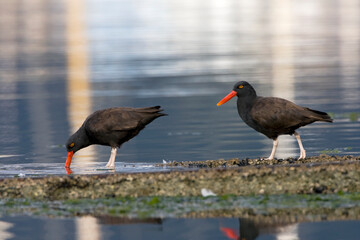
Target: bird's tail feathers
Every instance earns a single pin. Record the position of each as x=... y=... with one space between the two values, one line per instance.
x=154 y=109
x=321 y=116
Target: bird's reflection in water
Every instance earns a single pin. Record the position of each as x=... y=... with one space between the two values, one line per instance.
x=112 y=220
x=250 y=230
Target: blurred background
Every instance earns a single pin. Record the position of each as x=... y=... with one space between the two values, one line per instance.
x=62 y=60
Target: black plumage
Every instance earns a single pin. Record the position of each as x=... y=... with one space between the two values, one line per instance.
x=111 y=127
x=273 y=116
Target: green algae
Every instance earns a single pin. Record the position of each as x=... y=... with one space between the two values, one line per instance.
x=333 y=205
x=352 y=116
x=335 y=150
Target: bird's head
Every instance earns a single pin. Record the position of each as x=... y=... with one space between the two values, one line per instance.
x=75 y=142
x=241 y=89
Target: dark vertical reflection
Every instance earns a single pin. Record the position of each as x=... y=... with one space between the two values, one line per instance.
x=9 y=126
x=30 y=58
x=8 y=120
x=40 y=61
x=32 y=85
x=248 y=229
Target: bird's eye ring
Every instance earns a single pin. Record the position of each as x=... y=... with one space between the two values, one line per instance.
x=241 y=86
x=72 y=144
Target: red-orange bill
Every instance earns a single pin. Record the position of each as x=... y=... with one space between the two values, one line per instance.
x=230 y=233
x=68 y=159
x=227 y=98
x=68 y=170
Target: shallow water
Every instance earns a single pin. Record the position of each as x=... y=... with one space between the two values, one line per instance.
x=185 y=57
x=269 y=217
x=110 y=228
x=50 y=169
x=62 y=60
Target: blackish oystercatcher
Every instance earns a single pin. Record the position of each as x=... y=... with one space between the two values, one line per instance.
x=273 y=116
x=111 y=127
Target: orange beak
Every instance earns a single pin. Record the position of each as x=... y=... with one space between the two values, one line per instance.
x=68 y=159
x=68 y=171
x=227 y=98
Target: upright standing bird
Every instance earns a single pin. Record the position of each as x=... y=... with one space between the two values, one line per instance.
x=273 y=116
x=111 y=127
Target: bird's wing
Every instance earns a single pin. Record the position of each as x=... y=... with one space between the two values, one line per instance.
x=112 y=120
x=278 y=113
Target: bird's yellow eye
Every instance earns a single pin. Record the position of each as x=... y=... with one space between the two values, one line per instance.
x=72 y=144
x=241 y=86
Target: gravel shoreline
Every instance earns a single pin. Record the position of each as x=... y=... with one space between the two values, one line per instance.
x=321 y=175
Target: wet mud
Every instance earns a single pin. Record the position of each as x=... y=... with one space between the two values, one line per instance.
x=316 y=175
x=262 y=191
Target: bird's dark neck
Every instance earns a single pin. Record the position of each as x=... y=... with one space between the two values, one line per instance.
x=244 y=105
x=82 y=137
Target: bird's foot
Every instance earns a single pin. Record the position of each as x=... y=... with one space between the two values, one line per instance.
x=110 y=166
x=302 y=155
x=271 y=157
